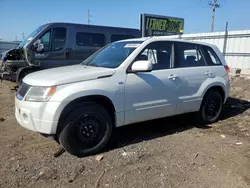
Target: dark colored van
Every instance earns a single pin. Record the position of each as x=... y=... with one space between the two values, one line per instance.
x=59 y=44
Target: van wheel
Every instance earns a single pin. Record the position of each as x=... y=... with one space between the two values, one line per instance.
x=23 y=74
x=211 y=107
x=20 y=79
x=86 y=131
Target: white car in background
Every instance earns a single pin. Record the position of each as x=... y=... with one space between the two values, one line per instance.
x=126 y=82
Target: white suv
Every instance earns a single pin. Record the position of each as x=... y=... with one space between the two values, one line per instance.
x=125 y=82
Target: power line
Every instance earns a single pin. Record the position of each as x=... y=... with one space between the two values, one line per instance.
x=214 y=5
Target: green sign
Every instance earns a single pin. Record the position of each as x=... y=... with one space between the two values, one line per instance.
x=155 y=25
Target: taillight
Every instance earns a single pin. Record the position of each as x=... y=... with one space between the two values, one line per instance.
x=228 y=71
x=227 y=68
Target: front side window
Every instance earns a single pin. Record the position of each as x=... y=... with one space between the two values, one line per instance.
x=53 y=39
x=159 y=53
x=90 y=39
x=45 y=40
x=112 y=55
x=188 y=55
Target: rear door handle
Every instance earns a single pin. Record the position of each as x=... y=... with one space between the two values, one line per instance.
x=172 y=77
x=209 y=73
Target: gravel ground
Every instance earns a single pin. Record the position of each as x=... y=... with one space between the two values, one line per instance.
x=170 y=152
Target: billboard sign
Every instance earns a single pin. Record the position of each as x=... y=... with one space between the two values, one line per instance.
x=156 y=25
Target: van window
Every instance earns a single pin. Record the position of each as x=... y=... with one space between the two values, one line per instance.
x=90 y=39
x=120 y=37
x=58 y=39
x=45 y=40
x=188 y=55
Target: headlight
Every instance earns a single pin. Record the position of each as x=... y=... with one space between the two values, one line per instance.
x=40 y=94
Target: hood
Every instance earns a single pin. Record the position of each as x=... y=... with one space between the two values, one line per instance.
x=66 y=74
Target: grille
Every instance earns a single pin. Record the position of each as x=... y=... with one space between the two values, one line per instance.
x=22 y=91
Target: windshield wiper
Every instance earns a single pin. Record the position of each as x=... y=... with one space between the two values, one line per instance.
x=91 y=65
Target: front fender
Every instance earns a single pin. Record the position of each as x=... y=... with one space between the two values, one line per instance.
x=75 y=96
x=67 y=93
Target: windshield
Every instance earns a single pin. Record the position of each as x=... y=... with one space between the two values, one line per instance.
x=31 y=36
x=112 y=55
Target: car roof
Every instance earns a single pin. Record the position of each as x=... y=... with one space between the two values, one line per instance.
x=166 y=38
x=87 y=25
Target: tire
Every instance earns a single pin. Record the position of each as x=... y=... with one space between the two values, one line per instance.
x=86 y=130
x=211 y=107
x=22 y=75
x=20 y=80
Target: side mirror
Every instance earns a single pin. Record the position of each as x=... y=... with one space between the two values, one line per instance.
x=142 y=66
x=38 y=46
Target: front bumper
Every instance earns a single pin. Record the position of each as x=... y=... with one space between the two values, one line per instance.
x=37 y=116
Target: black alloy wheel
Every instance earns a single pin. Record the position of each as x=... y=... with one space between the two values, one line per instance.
x=86 y=130
x=211 y=107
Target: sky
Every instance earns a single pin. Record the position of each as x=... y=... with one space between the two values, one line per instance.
x=17 y=17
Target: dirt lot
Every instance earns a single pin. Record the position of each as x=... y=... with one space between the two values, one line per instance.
x=169 y=152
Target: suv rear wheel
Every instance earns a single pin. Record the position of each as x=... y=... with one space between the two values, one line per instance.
x=87 y=130
x=211 y=107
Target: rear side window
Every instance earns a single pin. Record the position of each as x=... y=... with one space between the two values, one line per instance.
x=211 y=56
x=188 y=55
x=90 y=39
x=120 y=37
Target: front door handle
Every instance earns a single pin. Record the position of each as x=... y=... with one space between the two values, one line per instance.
x=172 y=77
x=66 y=54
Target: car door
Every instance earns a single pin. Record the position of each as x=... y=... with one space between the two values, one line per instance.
x=190 y=72
x=55 y=51
x=151 y=95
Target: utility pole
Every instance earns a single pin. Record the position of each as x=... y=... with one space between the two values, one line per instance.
x=225 y=40
x=23 y=35
x=89 y=16
x=214 y=5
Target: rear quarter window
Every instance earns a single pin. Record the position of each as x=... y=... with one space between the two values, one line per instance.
x=210 y=56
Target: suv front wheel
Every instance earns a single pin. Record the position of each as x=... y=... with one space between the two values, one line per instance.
x=87 y=130
x=211 y=107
